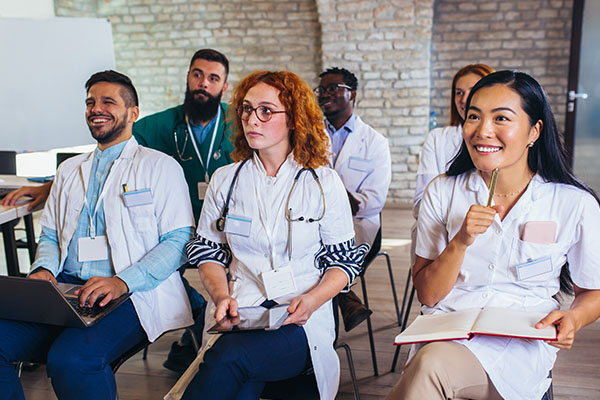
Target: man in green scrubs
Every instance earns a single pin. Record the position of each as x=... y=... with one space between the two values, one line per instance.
x=195 y=134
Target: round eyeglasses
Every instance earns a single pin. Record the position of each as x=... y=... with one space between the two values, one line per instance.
x=263 y=113
x=331 y=89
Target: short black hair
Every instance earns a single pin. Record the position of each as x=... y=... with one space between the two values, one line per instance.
x=349 y=78
x=212 y=55
x=128 y=92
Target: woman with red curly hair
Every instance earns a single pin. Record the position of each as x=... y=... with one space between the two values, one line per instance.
x=275 y=231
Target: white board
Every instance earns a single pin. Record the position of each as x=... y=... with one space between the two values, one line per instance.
x=45 y=64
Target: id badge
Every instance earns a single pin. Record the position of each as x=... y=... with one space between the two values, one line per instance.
x=92 y=249
x=202 y=188
x=238 y=225
x=279 y=282
x=534 y=268
x=359 y=164
x=137 y=198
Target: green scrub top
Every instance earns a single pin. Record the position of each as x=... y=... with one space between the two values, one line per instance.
x=158 y=131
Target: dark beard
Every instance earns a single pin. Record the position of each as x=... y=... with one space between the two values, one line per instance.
x=198 y=110
x=111 y=135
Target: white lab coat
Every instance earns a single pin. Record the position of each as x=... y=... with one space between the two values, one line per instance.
x=131 y=232
x=440 y=147
x=517 y=367
x=368 y=179
x=262 y=199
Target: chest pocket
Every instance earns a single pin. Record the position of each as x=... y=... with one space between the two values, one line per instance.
x=524 y=252
x=142 y=218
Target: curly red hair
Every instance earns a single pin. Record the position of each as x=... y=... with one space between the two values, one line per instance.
x=308 y=139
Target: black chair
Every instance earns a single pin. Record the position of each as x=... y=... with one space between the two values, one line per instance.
x=8 y=166
x=374 y=252
x=304 y=386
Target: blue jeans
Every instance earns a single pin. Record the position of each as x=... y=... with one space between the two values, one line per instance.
x=78 y=359
x=239 y=364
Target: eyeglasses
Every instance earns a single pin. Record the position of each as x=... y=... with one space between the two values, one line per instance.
x=331 y=89
x=263 y=113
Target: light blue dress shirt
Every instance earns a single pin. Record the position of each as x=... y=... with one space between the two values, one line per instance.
x=143 y=275
x=339 y=136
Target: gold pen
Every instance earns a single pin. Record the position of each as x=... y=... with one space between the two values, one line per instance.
x=492 y=186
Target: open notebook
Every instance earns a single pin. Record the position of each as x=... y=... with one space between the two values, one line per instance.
x=465 y=324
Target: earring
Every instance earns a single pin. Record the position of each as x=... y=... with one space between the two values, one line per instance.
x=531 y=144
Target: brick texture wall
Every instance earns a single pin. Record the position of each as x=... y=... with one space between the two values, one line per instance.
x=386 y=44
x=530 y=36
x=404 y=52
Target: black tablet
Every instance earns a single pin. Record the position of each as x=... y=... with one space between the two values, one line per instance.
x=252 y=319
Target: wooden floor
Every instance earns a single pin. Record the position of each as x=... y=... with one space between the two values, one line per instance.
x=576 y=374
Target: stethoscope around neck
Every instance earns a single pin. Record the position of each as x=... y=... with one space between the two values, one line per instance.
x=220 y=224
x=187 y=134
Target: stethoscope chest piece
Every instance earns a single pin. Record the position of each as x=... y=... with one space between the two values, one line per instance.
x=217 y=154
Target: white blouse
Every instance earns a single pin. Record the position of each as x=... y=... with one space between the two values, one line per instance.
x=439 y=148
x=315 y=246
x=488 y=277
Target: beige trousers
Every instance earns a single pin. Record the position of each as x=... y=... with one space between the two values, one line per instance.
x=444 y=370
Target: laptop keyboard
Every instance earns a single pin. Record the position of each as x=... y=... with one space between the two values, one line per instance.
x=4 y=191
x=89 y=312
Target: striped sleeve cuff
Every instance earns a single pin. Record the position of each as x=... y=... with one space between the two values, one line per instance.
x=344 y=256
x=200 y=250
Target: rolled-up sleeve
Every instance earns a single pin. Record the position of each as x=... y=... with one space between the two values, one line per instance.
x=344 y=256
x=200 y=250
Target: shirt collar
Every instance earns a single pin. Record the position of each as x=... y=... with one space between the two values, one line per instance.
x=111 y=153
x=348 y=126
x=288 y=164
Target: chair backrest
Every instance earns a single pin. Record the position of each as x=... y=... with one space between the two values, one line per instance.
x=372 y=252
x=8 y=162
x=60 y=157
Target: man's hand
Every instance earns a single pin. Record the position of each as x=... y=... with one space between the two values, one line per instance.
x=110 y=288
x=300 y=309
x=44 y=275
x=353 y=203
x=39 y=194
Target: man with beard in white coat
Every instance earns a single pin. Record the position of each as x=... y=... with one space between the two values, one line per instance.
x=361 y=156
x=116 y=221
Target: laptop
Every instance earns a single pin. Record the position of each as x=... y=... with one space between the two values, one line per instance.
x=35 y=300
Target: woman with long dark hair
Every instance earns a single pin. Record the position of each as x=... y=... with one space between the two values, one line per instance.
x=509 y=254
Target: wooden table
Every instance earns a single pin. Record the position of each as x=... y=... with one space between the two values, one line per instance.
x=8 y=217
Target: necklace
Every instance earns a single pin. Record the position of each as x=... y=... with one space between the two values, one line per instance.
x=517 y=192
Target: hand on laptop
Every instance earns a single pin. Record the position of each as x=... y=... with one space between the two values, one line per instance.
x=44 y=275
x=39 y=194
x=96 y=286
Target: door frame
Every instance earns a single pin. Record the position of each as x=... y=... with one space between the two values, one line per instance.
x=573 y=82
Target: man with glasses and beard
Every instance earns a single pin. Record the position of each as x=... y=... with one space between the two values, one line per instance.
x=195 y=134
x=361 y=157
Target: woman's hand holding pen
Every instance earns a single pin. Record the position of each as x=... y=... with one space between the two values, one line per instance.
x=476 y=222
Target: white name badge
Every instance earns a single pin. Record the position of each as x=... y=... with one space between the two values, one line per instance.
x=534 y=268
x=202 y=188
x=92 y=249
x=138 y=198
x=279 y=282
x=359 y=164
x=238 y=225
